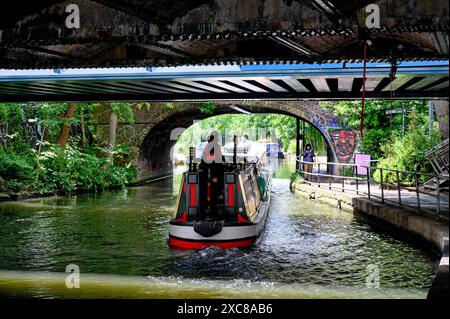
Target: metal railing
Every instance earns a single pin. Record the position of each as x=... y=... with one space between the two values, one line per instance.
x=438 y=157
x=387 y=187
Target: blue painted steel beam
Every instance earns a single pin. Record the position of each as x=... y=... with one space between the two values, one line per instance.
x=416 y=68
x=331 y=81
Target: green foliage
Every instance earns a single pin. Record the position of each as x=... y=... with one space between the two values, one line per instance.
x=292 y=148
x=15 y=171
x=257 y=126
x=9 y=112
x=376 y=122
x=14 y=115
x=408 y=151
x=296 y=178
x=51 y=118
x=207 y=108
x=349 y=112
x=168 y=106
x=284 y=127
x=24 y=168
x=408 y=154
x=314 y=137
x=373 y=141
x=123 y=111
x=347 y=171
x=69 y=170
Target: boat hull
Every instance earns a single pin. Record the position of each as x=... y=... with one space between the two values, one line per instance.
x=233 y=235
x=187 y=244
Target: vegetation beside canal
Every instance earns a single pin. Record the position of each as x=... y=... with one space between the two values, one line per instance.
x=50 y=148
x=397 y=141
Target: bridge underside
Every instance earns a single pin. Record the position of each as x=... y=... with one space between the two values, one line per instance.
x=268 y=82
x=241 y=35
x=33 y=34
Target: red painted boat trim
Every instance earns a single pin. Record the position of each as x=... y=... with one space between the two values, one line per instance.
x=230 y=199
x=183 y=218
x=184 y=244
x=241 y=219
x=193 y=195
x=209 y=192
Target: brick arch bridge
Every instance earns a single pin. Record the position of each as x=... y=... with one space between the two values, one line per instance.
x=150 y=134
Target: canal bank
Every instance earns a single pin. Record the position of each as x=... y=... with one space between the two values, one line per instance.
x=12 y=196
x=434 y=232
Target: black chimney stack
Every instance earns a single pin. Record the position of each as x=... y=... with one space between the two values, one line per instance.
x=191 y=159
x=235 y=151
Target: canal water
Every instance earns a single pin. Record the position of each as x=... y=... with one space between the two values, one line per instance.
x=118 y=240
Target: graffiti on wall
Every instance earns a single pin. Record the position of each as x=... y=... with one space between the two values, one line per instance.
x=344 y=142
x=334 y=123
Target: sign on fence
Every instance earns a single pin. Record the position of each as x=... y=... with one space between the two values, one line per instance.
x=362 y=161
x=397 y=111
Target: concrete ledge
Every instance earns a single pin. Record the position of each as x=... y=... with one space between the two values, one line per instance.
x=439 y=289
x=4 y=197
x=148 y=180
x=422 y=226
x=324 y=194
x=433 y=231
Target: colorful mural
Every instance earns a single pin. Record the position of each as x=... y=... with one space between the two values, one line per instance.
x=345 y=142
x=334 y=123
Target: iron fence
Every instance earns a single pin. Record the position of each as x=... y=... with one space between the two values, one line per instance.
x=387 y=187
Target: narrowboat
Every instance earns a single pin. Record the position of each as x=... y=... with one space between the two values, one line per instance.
x=223 y=204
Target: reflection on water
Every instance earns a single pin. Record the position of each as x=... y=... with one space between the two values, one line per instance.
x=307 y=245
x=44 y=285
x=282 y=168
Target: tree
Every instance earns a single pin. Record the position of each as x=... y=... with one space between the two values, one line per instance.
x=112 y=135
x=65 y=129
x=377 y=122
x=122 y=112
x=442 y=116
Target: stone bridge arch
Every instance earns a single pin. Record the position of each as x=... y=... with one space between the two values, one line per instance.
x=154 y=156
x=149 y=135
